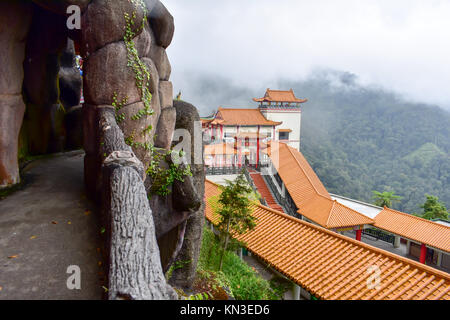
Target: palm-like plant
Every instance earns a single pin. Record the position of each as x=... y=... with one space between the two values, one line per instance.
x=386 y=198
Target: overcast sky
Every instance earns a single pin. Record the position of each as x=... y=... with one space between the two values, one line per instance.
x=403 y=45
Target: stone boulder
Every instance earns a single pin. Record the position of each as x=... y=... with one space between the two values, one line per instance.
x=12 y=109
x=13 y=34
x=60 y=6
x=108 y=73
x=159 y=56
x=104 y=23
x=162 y=24
x=187 y=117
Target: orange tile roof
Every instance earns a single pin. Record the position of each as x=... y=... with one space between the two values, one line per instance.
x=205 y=121
x=332 y=214
x=414 y=228
x=331 y=266
x=220 y=149
x=242 y=117
x=307 y=191
x=279 y=96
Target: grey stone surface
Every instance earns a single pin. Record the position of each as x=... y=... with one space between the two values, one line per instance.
x=159 y=56
x=166 y=94
x=13 y=34
x=11 y=113
x=104 y=23
x=90 y=125
x=165 y=128
x=150 y=4
x=162 y=24
x=143 y=42
x=154 y=76
x=53 y=192
x=135 y=129
x=106 y=73
x=60 y=6
x=184 y=277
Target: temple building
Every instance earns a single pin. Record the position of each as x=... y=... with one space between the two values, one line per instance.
x=247 y=131
x=283 y=106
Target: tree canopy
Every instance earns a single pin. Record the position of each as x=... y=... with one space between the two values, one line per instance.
x=234 y=210
x=385 y=198
x=433 y=209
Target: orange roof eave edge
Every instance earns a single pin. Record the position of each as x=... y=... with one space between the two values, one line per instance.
x=416 y=264
x=409 y=216
x=270 y=100
x=301 y=168
x=328 y=226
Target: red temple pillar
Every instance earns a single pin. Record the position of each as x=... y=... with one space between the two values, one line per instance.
x=221 y=132
x=358 y=234
x=235 y=151
x=423 y=253
x=257 y=148
x=239 y=153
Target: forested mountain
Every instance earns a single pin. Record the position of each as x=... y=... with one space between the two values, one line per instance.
x=359 y=139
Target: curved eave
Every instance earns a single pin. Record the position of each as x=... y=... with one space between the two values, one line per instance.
x=289 y=101
x=268 y=123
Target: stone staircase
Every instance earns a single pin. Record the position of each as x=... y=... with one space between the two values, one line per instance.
x=264 y=190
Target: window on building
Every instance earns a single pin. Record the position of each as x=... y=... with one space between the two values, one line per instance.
x=283 y=135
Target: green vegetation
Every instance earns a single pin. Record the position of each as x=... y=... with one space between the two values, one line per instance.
x=240 y=279
x=163 y=178
x=233 y=208
x=117 y=106
x=360 y=139
x=385 y=199
x=433 y=209
x=142 y=74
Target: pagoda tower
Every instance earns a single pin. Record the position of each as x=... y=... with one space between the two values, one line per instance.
x=283 y=106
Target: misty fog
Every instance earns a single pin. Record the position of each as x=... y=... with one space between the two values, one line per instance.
x=401 y=45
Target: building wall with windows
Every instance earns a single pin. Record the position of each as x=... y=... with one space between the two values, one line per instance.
x=290 y=127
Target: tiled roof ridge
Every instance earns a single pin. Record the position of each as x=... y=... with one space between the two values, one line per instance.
x=415 y=217
x=353 y=210
x=301 y=168
x=278 y=90
x=327 y=224
x=334 y=203
x=223 y=111
x=416 y=264
x=235 y=108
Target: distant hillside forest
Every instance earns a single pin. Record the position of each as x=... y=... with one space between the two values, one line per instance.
x=360 y=139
